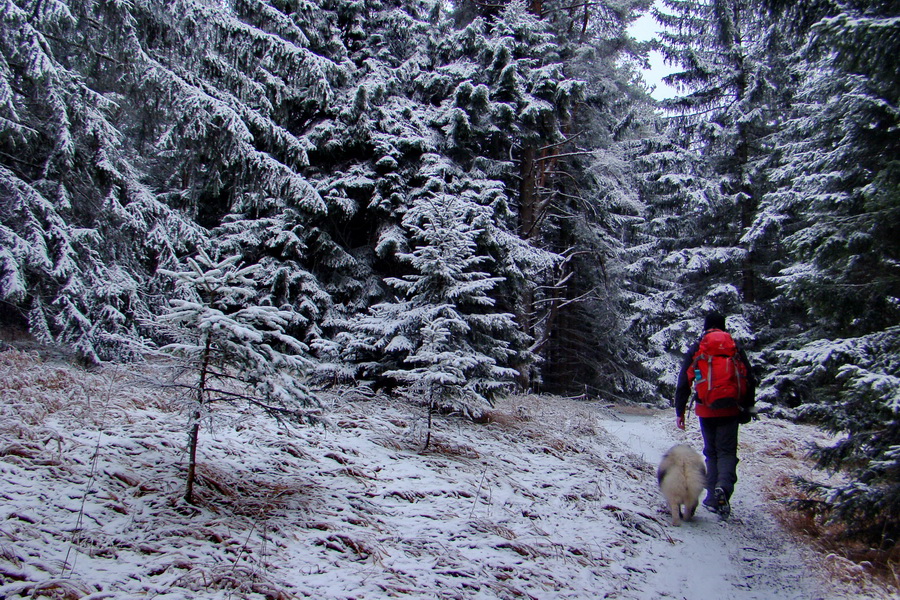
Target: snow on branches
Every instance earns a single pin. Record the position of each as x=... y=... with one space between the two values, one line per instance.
x=237 y=351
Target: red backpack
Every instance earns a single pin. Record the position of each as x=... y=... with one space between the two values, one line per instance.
x=718 y=374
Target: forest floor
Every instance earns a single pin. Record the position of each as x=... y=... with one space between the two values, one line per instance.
x=551 y=499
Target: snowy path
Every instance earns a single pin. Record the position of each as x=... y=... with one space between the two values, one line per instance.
x=747 y=558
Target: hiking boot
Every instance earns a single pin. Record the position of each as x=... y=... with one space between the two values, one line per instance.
x=722 y=506
x=710 y=504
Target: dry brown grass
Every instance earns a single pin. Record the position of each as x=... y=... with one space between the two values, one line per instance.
x=241 y=493
x=451 y=450
x=872 y=570
x=786 y=448
x=34 y=388
x=502 y=418
x=488 y=526
x=237 y=579
x=637 y=410
x=362 y=549
x=61 y=589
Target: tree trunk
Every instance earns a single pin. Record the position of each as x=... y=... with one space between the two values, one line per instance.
x=194 y=434
x=192 y=459
x=528 y=194
x=528 y=209
x=430 y=412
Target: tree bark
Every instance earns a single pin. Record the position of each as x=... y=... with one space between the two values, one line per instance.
x=528 y=195
x=430 y=412
x=194 y=434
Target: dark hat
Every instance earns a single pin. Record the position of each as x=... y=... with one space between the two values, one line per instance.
x=714 y=320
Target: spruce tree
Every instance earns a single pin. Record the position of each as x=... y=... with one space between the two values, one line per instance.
x=143 y=125
x=238 y=352
x=80 y=229
x=595 y=202
x=836 y=208
x=443 y=333
x=365 y=148
x=723 y=121
x=546 y=112
x=660 y=261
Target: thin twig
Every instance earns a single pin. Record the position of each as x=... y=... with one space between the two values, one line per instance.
x=90 y=483
x=562 y=143
x=478 y=493
x=564 y=155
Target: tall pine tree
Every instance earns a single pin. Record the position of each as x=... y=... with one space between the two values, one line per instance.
x=720 y=147
x=837 y=208
x=80 y=229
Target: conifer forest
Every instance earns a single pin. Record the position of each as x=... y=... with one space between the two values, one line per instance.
x=465 y=198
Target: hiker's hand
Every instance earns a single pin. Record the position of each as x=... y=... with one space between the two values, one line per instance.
x=679 y=422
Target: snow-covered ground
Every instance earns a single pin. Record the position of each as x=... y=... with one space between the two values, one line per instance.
x=750 y=556
x=552 y=499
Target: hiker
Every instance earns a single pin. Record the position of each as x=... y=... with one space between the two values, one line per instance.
x=724 y=390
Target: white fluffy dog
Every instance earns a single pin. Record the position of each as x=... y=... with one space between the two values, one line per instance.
x=682 y=478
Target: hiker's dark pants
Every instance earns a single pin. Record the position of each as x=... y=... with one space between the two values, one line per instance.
x=720 y=441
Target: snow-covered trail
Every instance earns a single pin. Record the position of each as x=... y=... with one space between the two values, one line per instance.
x=749 y=557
